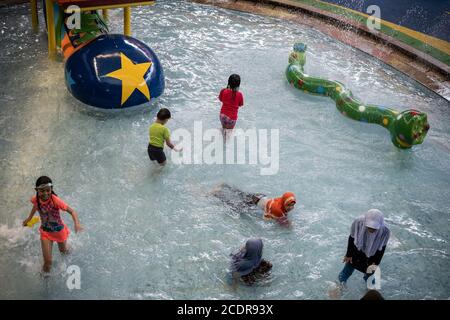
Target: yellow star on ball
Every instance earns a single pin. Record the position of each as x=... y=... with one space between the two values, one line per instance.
x=132 y=77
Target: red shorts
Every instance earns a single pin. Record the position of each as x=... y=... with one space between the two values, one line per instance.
x=59 y=236
x=227 y=123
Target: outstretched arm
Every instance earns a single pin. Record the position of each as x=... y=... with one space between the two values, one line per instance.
x=76 y=222
x=33 y=211
x=172 y=146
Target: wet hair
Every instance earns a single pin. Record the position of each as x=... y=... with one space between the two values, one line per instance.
x=372 y=295
x=163 y=114
x=234 y=81
x=43 y=180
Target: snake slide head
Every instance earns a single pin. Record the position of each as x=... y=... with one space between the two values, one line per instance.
x=300 y=47
x=298 y=55
x=409 y=128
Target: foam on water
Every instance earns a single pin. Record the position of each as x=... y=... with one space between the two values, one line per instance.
x=158 y=234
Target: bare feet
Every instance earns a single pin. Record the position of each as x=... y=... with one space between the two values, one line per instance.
x=335 y=292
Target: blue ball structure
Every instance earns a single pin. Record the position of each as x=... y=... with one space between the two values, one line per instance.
x=114 y=71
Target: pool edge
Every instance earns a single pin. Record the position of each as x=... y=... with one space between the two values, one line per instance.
x=426 y=70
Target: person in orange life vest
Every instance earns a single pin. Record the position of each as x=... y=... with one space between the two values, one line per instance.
x=52 y=229
x=277 y=208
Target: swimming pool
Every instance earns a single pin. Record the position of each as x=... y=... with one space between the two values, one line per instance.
x=153 y=234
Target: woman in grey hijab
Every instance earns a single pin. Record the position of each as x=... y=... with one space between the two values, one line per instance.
x=247 y=264
x=366 y=244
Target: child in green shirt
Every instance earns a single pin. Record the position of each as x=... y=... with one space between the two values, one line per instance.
x=158 y=135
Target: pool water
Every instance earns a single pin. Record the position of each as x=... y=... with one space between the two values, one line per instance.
x=159 y=234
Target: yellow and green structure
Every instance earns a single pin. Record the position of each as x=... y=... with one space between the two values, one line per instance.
x=107 y=71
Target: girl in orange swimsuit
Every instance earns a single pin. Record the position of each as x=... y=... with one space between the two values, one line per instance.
x=53 y=228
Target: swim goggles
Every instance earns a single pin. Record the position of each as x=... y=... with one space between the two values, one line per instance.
x=45 y=185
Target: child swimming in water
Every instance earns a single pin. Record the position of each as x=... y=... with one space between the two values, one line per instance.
x=276 y=209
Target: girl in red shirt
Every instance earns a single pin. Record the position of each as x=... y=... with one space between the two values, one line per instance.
x=231 y=100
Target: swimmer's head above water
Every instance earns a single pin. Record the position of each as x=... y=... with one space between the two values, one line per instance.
x=288 y=200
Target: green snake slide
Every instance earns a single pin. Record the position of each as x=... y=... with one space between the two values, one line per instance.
x=407 y=128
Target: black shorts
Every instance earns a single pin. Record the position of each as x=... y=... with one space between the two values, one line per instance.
x=156 y=153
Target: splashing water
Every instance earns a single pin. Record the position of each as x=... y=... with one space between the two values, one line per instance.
x=158 y=234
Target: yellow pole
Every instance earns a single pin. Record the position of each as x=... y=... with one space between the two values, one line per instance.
x=127 y=21
x=34 y=15
x=50 y=28
x=105 y=14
